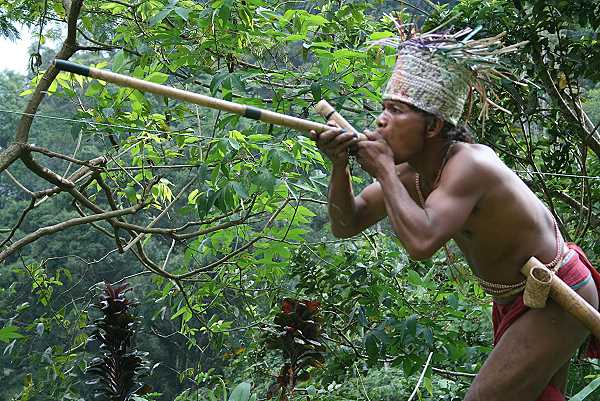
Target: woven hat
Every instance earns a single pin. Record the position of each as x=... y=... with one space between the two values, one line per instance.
x=436 y=72
x=431 y=82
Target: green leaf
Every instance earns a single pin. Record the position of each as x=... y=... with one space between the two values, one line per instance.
x=76 y=130
x=184 y=13
x=157 y=77
x=181 y=311
x=411 y=325
x=216 y=82
x=315 y=89
x=295 y=37
x=259 y=137
x=380 y=35
x=118 y=61
x=241 y=392
x=315 y=20
x=161 y=15
x=587 y=390
x=371 y=346
x=348 y=54
x=239 y=189
x=266 y=181
x=428 y=385
x=9 y=333
x=414 y=278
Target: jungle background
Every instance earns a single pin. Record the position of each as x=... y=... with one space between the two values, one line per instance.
x=219 y=224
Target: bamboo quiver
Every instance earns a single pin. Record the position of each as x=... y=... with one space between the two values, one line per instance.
x=564 y=295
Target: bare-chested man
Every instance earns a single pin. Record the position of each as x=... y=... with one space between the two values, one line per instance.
x=434 y=186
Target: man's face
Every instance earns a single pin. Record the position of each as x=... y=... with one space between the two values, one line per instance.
x=403 y=129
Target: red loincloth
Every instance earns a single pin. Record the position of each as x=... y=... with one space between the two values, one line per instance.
x=551 y=393
x=504 y=315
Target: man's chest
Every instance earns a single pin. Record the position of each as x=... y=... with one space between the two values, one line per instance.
x=487 y=239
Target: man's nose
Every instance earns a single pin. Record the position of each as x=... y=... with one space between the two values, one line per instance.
x=380 y=121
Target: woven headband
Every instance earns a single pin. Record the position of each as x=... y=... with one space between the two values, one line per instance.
x=435 y=72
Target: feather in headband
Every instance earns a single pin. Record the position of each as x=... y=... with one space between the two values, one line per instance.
x=437 y=72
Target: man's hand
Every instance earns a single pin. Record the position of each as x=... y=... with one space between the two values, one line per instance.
x=334 y=143
x=375 y=155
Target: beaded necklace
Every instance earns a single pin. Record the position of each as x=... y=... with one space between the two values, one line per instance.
x=437 y=176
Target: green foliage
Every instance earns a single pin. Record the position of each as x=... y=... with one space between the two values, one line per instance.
x=8 y=333
x=592 y=105
x=587 y=390
x=241 y=392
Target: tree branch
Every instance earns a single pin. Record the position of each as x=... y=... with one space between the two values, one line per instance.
x=17 y=183
x=41 y=232
x=9 y=155
x=69 y=47
x=103 y=46
x=52 y=154
x=16 y=226
x=157 y=218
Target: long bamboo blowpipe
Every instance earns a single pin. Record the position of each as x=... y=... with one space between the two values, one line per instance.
x=254 y=113
x=328 y=112
x=564 y=295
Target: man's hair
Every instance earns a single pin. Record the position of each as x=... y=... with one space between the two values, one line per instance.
x=452 y=132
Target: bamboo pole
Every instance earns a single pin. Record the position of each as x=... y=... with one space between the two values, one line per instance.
x=564 y=295
x=254 y=113
x=328 y=112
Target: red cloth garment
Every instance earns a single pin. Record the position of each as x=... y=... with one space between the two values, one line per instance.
x=574 y=271
x=551 y=393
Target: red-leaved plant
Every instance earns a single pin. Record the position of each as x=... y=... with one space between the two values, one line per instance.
x=117 y=371
x=297 y=334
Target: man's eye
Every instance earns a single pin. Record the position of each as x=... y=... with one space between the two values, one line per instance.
x=392 y=109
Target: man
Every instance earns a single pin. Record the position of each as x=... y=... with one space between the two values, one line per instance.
x=434 y=185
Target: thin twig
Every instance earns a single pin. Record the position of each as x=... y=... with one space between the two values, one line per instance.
x=421 y=377
x=145 y=272
x=453 y=373
x=168 y=254
x=77 y=146
x=16 y=226
x=425 y=13
x=157 y=218
x=18 y=184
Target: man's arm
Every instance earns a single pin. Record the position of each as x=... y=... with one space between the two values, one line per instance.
x=424 y=230
x=349 y=215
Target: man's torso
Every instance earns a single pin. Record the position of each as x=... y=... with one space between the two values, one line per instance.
x=508 y=224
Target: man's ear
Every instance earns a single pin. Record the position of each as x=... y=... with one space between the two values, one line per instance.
x=434 y=127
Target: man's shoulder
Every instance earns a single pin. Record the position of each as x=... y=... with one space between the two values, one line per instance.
x=474 y=155
x=476 y=162
x=475 y=150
